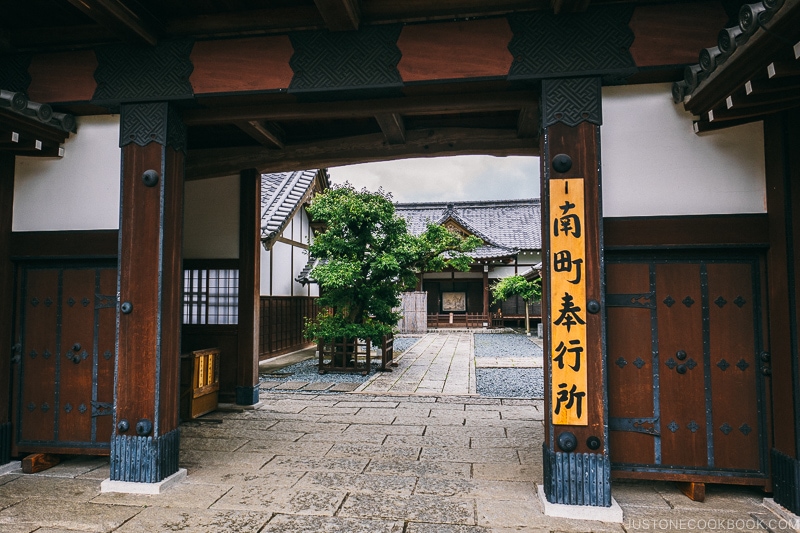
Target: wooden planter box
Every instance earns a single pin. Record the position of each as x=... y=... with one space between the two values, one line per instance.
x=353 y=355
x=199 y=383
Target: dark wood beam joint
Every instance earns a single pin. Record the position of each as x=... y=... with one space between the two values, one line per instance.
x=528 y=123
x=340 y=15
x=392 y=127
x=116 y=16
x=267 y=134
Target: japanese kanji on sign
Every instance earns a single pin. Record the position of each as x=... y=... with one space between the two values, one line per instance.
x=568 y=302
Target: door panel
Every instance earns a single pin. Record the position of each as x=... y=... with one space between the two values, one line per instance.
x=64 y=386
x=682 y=394
x=630 y=371
x=686 y=392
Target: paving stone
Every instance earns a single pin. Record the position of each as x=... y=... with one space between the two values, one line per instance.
x=51 y=488
x=317 y=464
x=184 y=496
x=301 y=448
x=344 y=387
x=267 y=385
x=389 y=486
x=291 y=385
x=196 y=521
x=723 y=498
x=364 y=416
x=426 y=440
x=508 y=513
x=631 y=494
x=352 y=449
x=532 y=444
x=386 y=429
x=213 y=444
x=318 y=386
x=463 y=431
x=333 y=437
x=282 y=523
x=294 y=501
x=74 y=467
x=475 y=488
x=413 y=508
x=7 y=478
x=66 y=514
x=335 y=410
x=453 y=420
x=230 y=475
x=371 y=404
x=506 y=472
x=421 y=527
x=461 y=455
x=204 y=457
x=419 y=468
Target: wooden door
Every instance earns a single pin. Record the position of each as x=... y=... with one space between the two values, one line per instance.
x=64 y=371
x=686 y=369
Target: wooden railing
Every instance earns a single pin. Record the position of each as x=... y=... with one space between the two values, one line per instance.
x=458 y=320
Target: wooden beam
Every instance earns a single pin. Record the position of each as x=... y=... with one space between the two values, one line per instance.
x=766 y=85
x=783 y=68
x=340 y=15
x=745 y=60
x=118 y=17
x=528 y=123
x=202 y=164
x=257 y=21
x=568 y=6
x=267 y=134
x=723 y=114
x=741 y=99
x=411 y=105
x=704 y=126
x=392 y=127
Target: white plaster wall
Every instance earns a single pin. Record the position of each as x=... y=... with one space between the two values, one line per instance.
x=211 y=218
x=300 y=260
x=282 y=269
x=654 y=164
x=79 y=191
x=503 y=272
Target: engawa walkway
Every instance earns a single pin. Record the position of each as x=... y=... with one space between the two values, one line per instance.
x=436 y=364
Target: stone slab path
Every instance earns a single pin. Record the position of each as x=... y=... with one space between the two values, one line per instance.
x=436 y=364
x=344 y=463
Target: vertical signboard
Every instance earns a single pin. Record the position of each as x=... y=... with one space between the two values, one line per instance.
x=568 y=302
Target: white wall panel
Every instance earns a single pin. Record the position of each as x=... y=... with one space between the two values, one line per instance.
x=282 y=269
x=77 y=192
x=265 y=272
x=654 y=164
x=211 y=218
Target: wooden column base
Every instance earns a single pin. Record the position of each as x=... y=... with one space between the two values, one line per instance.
x=38 y=462
x=694 y=491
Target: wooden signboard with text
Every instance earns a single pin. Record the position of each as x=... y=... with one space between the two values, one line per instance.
x=568 y=302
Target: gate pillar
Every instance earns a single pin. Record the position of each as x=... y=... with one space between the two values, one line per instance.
x=6 y=297
x=575 y=452
x=144 y=445
x=782 y=360
x=249 y=286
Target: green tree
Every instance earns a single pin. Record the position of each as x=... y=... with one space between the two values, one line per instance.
x=368 y=257
x=529 y=291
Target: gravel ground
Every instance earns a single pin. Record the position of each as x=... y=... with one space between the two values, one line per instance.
x=510 y=382
x=505 y=345
x=308 y=370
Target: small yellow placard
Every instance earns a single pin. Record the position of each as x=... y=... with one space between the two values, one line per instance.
x=568 y=302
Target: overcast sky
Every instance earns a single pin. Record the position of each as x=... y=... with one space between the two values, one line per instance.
x=441 y=179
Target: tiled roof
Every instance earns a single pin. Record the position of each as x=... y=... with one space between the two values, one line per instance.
x=506 y=225
x=19 y=104
x=281 y=195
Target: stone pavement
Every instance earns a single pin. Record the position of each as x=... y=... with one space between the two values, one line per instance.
x=436 y=364
x=356 y=463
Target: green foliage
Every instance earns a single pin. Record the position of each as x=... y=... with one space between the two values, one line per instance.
x=530 y=291
x=369 y=258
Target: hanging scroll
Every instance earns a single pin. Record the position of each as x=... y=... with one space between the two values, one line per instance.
x=568 y=302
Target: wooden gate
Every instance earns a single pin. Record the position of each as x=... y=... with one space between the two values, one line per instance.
x=64 y=359
x=414 y=308
x=687 y=368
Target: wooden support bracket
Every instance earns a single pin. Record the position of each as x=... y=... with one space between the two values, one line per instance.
x=694 y=491
x=37 y=462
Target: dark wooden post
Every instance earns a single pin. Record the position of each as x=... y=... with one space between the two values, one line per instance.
x=249 y=286
x=6 y=300
x=144 y=446
x=576 y=461
x=781 y=137
x=486 y=293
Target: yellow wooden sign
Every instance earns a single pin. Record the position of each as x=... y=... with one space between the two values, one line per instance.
x=568 y=302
